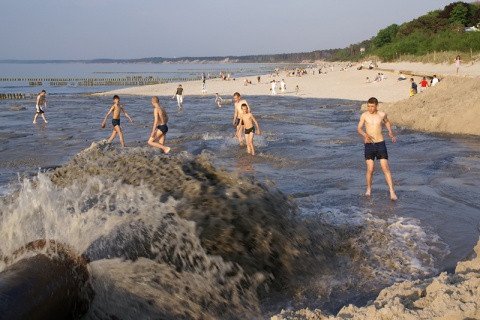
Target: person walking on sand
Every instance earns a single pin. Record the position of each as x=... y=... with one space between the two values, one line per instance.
x=236 y=116
x=116 y=108
x=248 y=119
x=274 y=86
x=41 y=100
x=375 y=144
x=457 y=63
x=179 y=93
x=160 y=128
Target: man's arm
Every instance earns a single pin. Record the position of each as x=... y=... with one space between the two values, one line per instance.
x=126 y=114
x=155 y=121
x=235 y=116
x=106 y=116
x=388 y=125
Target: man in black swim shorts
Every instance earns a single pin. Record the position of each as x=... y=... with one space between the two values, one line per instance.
x=375 y=147
x=160 y=128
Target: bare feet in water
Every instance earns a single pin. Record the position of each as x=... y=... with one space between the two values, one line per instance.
x=393 y=196
x=167 y=150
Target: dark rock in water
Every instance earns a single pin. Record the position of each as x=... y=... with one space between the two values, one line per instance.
x=50 y=285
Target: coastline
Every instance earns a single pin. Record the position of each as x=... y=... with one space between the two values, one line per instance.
x=431 y=111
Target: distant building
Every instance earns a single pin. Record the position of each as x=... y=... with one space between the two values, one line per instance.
x=362 y=50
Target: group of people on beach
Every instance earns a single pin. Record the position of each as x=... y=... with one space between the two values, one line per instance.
x=369 y=126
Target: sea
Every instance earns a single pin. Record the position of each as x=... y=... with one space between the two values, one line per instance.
x=209 y=231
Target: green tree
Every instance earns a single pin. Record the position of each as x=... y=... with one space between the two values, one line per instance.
x=459 y=14
x=386 y=35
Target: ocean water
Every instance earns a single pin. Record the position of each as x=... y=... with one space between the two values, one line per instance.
x=210 y=232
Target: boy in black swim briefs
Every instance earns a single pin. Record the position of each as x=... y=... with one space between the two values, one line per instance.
x=248 y=120
x=160 y=128
x=375 y=147
x=116 y=108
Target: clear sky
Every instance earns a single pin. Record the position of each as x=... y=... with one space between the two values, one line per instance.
x=125 y=29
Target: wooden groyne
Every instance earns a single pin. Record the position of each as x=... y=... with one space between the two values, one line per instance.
x=91 y=82
x=15 y=96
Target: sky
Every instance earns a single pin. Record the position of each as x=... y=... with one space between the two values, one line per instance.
x=130 y=29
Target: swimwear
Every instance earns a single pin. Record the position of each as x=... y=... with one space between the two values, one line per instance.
x=250 y=130
x=115 y=122
x=40 y=111
x=237 y=122
x=163 y=128
x=376 y=150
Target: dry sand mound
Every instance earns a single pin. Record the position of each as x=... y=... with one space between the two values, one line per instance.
x=452 y=106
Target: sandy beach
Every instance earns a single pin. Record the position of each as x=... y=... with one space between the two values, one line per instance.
x=430 y=111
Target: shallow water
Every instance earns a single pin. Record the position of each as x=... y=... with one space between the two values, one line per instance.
x=309 y=149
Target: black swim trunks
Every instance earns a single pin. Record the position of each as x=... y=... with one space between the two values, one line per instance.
x=115 y=122
x=376 y=150
x=238 y=122
x=249 y=130
x=163 y=128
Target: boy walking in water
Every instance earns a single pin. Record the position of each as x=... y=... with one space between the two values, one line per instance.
x=236 y=116
x=116 y=108
x=375 y=144
x=248 y=120
x=40 y=101
x=160 y=129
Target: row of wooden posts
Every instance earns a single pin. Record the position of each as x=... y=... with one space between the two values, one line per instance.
x=105 y=80
x=14 y=96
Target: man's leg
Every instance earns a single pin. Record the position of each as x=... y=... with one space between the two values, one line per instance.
x=388 y=177
x=239 y=134
x=369 y=176
x=159 y=144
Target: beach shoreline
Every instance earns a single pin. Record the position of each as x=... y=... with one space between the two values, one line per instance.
x=449 y=97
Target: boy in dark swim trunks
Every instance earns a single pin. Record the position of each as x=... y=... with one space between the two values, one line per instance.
x=248 y=120
x=375 y=147
x=41 y=101
x=116 y=108
x=160 y=128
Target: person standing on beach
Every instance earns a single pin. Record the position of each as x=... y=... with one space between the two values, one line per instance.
x=41 y=100
x=179 y=94
x=423 y=84
x=236 y=116
x=413 y=87
x=116 y=108
x=457 y=63
x=204 y=87
x=274 y=86
x=248 y=119
x=375 y=147
x=160 y=128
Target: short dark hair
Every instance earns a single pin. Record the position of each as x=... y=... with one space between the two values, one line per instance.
x=373 y=100
x=244 y=105
x=236 y=94
x=116 y=97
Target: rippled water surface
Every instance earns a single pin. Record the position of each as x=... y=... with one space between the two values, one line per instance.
x=310 y=150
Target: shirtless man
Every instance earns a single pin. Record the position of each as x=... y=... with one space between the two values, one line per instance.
x=40 y=101
x=248 y=119
x=238 y=111
x=375 y=144
x=160 y=129
x=116 y=108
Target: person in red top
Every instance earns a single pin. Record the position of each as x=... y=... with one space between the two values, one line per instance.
x=423 y=84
